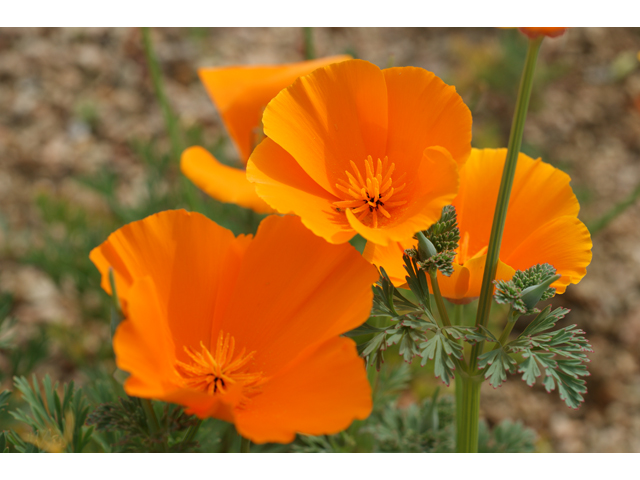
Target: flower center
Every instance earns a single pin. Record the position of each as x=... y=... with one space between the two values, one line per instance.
x=369 y=196
x=214 y=374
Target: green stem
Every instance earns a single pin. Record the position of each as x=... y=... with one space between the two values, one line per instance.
x=309 y=50
x=607 y=218
x=192 y=432
x=245 y=445
x=512 y=317
x=442 y=309
x=152 y=420
x=461 y=364
x=468 y=413
x=158 y=86
x=500 y=215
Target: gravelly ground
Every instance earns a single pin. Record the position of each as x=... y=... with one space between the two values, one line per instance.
x=72 y=100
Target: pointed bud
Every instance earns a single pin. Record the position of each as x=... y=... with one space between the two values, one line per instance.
x=532 y=295
x=426 y=249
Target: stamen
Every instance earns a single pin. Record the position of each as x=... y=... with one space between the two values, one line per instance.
x=368 y=195
x=213 y=373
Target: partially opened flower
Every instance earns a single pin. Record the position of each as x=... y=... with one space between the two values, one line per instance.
x=241 y=93
x=552 y=32
x=354 y=149
x=238 y=328
x=542 y=226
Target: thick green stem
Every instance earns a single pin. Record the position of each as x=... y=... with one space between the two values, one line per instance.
x=245 y=445
x=156 y=77
x=468 y=412
x=500 y=215
x=152 y=420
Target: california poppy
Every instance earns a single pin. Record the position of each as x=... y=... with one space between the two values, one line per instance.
x=241 y=93
x=354 y=149
x=552 y=32
x=542 y=226
x=238 y=328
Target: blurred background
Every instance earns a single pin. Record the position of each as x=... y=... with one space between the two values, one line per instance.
x=84 y=149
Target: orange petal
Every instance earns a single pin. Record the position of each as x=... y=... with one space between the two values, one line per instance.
x=423 y=112
x=294 y=290
x=435 y=185
x=475 y=267
x=564 y=243
x=144 y=348
x=321 y=393
x=552 y=32
x=282 y=183
x=143 y=344
x=540 y=193
x=224 y=183
x=187 y=256
x=336 y=114
x=241 y=93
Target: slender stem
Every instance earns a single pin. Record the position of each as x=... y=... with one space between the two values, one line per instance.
x=156 y=77
x=309 y=50
x=607 y=218
x=191 y=433
x=442 y=309
x=468 y=411
x=512 y=317
x=461 y=364
x=245 y=445
x=152 y=420
x=500 y=215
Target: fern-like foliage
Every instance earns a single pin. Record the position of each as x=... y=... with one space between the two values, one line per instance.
x=57 y=422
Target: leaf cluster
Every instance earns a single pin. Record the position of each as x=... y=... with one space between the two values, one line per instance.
x=561 y=355
x=57 y=422
x=128 y=419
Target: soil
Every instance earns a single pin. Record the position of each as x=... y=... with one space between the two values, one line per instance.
x=72 y=101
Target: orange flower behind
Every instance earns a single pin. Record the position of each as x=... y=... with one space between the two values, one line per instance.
x=241 y=93
x=552 y=32
x=242 y=329
x=355 y=149
x=542 y=226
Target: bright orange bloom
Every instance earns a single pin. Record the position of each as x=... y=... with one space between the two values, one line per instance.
x=242 y=329
x=241 y=93
x=552 y=32
x=542 y=226
x=355 y=149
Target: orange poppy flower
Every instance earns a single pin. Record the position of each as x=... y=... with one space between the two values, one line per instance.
x=552 y=32
x=241 y=93
x=242 y=329
x=355 y=149
x=542 y=226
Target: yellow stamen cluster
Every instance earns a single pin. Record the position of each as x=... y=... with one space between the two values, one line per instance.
x=371 y=194
x=214 y=374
